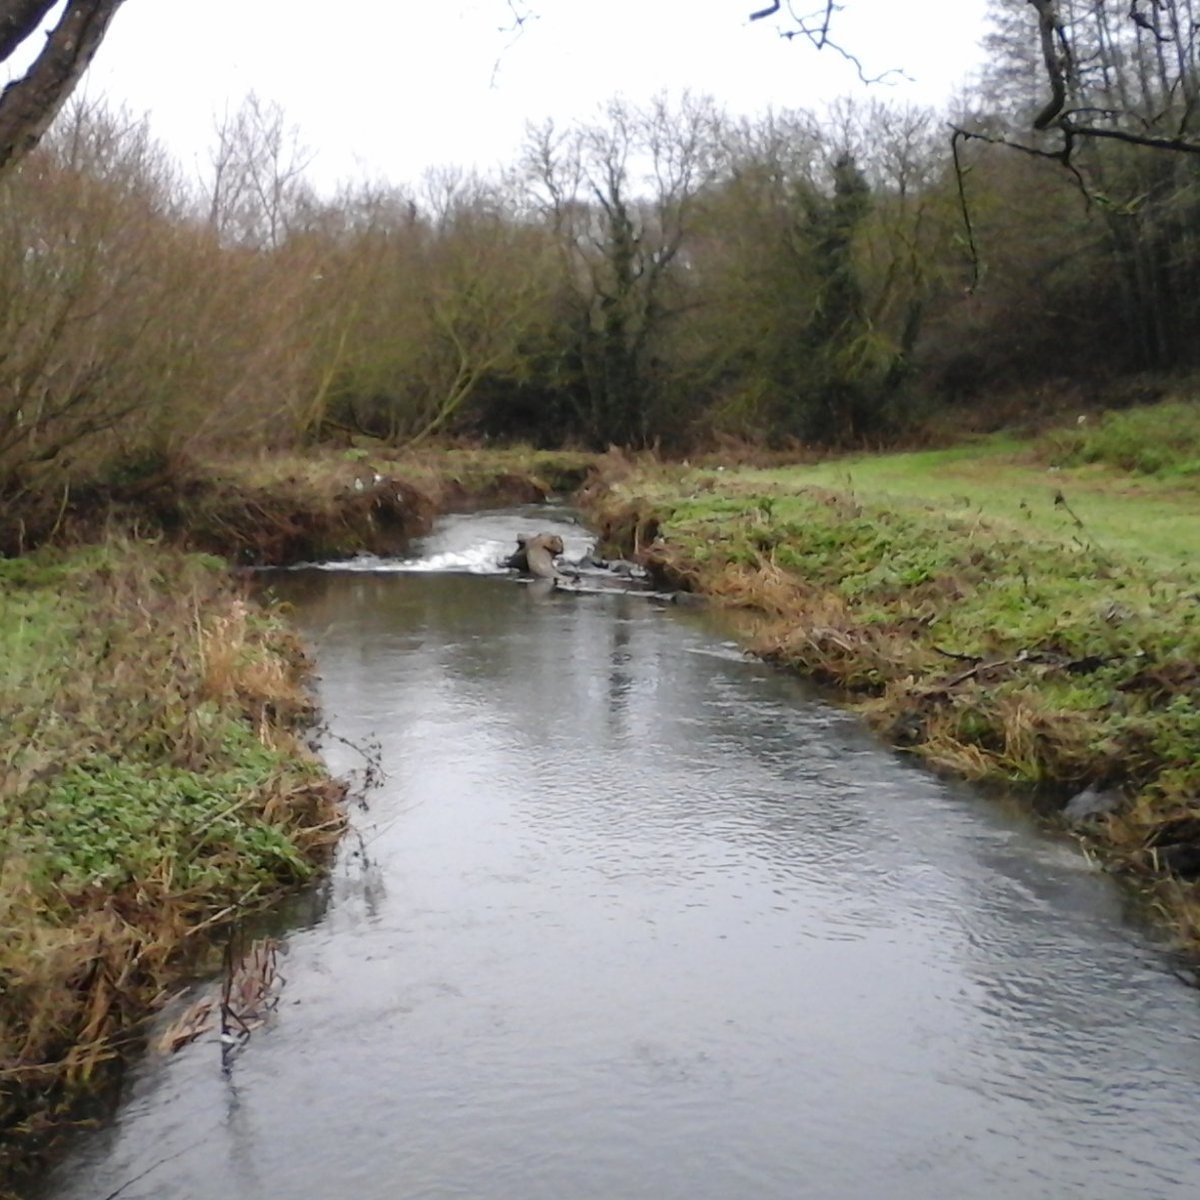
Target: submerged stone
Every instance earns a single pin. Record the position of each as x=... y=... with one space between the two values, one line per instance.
x=1090 y=805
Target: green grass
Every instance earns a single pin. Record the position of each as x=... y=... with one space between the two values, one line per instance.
x=107 y=823
x=133 y=682
x=1161 y=440
x=1149 y=522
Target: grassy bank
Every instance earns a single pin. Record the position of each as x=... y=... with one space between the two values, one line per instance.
x=154 y=783
x=1020 y=612
x=1024 y=612
x=152 y=786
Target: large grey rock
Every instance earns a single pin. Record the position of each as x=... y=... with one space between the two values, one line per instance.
x=535 y=555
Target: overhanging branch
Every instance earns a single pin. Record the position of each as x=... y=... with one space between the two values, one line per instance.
x=18 y=19
x=1061 y=76
x=29 y=104
x=1178 y=142
x=815 y=27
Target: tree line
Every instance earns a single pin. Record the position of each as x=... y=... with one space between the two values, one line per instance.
x=662 y=275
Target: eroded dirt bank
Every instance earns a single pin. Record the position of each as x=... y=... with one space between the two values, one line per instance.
x=272 y=510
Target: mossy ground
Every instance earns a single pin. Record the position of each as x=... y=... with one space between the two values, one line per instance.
x=997 y=614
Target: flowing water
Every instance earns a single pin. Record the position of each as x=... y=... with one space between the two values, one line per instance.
x=633 y=917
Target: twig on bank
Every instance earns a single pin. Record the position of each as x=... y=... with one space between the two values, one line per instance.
x=971 y=658
x=1060 y=501
x=981 y=665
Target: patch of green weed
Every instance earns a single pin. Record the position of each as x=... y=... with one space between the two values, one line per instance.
x=1159 y=439
x=103 y=823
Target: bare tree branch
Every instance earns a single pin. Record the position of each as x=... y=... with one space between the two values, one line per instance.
x=29 y=104
x=958 y=137
x=1167 y=128
x=521 y=16
x=815 y=27
x=1180 y=143
x=1066 y=79
x=18 y=19
x=1049 y=34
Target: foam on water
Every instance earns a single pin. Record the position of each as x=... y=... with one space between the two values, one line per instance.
x=481 y=559
x=473 y=544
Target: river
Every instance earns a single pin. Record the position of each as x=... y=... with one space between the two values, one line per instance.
x=632 y=917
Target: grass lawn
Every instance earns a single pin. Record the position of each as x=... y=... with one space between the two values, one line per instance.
x=1143 y=519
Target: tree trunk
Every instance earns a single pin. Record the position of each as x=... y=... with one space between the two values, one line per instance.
x=29 y=104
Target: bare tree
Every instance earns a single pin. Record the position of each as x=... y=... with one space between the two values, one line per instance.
x=28 y=104
x=257 y=188
x=1110 y=70
x=619 y=197
x=487 y=280
x=78 y=301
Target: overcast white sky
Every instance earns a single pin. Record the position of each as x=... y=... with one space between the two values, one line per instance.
x=386 y=88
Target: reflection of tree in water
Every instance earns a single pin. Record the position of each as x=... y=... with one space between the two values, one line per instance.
x=619 y=677
x=242 y=1138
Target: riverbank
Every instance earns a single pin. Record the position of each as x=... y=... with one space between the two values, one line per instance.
x=1015 y=612
x=282 y=508
x=1020 y=613
x=154 y=777
x=155 y=784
